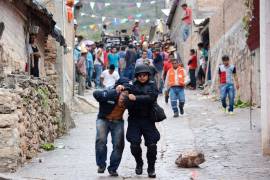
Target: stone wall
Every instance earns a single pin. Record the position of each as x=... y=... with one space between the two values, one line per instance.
x=30 y=115
x=247 y=63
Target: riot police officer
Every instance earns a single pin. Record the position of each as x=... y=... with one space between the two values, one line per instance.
x=143 y=95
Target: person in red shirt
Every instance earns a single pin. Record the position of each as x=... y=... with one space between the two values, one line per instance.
x=106 y=59
x=166 y=66
x=192 y=65
x=187 y=21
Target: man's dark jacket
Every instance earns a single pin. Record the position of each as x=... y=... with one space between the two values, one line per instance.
x=107 y=99
x=146 y=96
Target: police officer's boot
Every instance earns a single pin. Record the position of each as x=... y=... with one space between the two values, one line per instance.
x=136 y=151
x=181 y=107
x=151 y=158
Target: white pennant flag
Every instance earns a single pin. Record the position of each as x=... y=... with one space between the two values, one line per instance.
x=139 y=4
x=103 y=18
x=107 y=4
x=147 y=20
x=92 y=4
x=152 y=2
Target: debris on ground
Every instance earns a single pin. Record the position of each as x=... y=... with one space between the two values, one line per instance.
x=190 y=159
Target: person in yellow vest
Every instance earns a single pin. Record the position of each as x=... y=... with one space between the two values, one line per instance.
x=175 y=83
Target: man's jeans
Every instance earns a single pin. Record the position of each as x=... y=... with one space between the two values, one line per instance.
x=192 y=78
x=227 y=90
x=98 y=70
x=185 y=31
x=116 y=128
x=129 y=72
x=89 y=76
x=177 y=93
x=81 y=86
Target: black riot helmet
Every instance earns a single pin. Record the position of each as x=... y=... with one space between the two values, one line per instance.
x=142 y=68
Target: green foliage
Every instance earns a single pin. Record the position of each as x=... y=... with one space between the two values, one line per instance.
x=241 y=104
x=48 y=146
x=248 y=16
x=44 y=94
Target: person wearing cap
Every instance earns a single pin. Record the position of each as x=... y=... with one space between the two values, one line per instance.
x=175 y=83
x=81 y=69
x=187 y=21
x=142 y=96
x=110 y=120
x=109 y=76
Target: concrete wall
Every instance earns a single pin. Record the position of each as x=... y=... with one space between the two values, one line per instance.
x=229 y=13
x=64 y=63
x=247 y=63
x=227 y=36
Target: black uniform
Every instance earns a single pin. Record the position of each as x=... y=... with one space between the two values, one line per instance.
x=140 y=122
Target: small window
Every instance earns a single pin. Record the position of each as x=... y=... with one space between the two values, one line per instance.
x=2 y=27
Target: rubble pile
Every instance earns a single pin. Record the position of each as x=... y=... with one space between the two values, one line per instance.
x=30 y=115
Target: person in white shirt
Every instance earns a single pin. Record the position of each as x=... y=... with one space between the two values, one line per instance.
x=109 y=77
x=143 y=59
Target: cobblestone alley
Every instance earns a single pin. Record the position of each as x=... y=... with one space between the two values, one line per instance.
x=232 y=150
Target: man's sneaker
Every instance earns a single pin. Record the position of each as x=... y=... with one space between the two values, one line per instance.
x=139 y=169
x=113 y=173
x=225 y=110
x=101 y=170
x=231 y=113
x=181 y=110
x=151 y=173
x=166 y=99
x=176 y=115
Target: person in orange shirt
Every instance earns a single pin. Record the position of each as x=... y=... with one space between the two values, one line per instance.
x=187 y=21
x=175 y=82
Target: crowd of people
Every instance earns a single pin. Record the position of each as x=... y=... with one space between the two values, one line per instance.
x=122 y=60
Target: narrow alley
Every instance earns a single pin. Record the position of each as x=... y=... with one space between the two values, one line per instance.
x=232 y=150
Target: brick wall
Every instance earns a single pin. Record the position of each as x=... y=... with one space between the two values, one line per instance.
x=13 y=39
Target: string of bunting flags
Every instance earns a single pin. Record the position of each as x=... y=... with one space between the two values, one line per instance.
x=100 y=5
x=123 y=20
x=114 y=21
